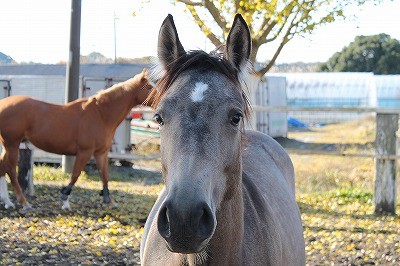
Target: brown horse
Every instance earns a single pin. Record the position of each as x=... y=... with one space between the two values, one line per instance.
x=229 y=194
x=83 y=128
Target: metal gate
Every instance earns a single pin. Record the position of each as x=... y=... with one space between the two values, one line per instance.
x=5 y=85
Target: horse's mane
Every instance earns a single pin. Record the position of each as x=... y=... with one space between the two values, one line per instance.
x=114 y=92
x=200 y=60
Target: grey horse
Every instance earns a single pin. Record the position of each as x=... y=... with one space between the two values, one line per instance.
x=229 y=194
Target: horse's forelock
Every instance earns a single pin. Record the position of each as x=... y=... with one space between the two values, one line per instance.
x=200 y=60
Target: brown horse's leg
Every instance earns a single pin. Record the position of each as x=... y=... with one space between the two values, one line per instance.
x=102 y=167
x=80 y=161
x=3 y=183
x=11 y=159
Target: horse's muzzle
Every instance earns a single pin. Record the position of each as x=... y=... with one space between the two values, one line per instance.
x=186 y=230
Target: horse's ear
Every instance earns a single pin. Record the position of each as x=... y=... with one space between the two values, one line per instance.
x=238 y=44
x=169 y=46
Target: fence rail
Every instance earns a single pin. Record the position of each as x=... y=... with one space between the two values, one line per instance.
x=345 y=109
x=344 y=154
x=386 y=155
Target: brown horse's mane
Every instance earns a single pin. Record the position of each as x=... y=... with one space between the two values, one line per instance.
x=200 y=60
x=112 y=93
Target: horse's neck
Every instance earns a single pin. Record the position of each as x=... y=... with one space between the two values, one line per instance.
x=116 y=107
x=228 y=237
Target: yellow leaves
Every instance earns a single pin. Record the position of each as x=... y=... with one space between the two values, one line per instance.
x=348 y=232
x=112 y=242
x=91 y=234
x=53 y=252
x=113 y=231
x=33 y=250
x=350 y=247
x=339 y=225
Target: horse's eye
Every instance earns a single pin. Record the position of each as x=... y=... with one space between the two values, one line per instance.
x=236 y=119
x=158 y=119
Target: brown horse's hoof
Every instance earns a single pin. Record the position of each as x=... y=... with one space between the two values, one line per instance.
x=66 y=205
x=112 y=205
x=27 y=207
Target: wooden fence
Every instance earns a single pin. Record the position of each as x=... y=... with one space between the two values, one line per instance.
x=385 y=153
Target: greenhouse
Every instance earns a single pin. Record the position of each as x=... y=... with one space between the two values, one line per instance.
x=344 y=89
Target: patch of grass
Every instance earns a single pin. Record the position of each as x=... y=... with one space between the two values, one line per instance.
x=316 y=173
x=340 y=228
x=46 y=173
x=122 y=174
x=352 y=132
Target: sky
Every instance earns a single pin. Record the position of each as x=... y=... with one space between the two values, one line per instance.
x=38 y=30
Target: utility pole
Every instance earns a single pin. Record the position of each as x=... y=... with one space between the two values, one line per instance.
x=115 y=38
x=72 y=69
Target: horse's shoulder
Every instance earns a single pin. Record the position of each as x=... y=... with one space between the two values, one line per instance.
x=261 y=148
x=271 y=216
x=256 y=139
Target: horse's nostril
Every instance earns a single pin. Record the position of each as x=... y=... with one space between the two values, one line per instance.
x=163 y=223
x=206 y=223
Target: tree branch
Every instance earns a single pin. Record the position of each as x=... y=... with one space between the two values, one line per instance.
x=265 y=69
x=191 y=3
x=287 y=10
x=212 y=9
x=216 y=14
x=264 y=24
x=237 y=5
x=211 y=36
x=284 y=41
x=268 y=30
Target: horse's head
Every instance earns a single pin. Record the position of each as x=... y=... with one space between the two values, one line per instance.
x=146 y=86
x=200 y=106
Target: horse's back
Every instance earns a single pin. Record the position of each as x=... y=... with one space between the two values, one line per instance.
x=42 y=123
x=271 y=212
x=21 y=104
x=13 y=100
x=14 y=110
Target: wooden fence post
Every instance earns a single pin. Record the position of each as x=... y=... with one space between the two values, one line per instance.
x=25 y=169
x=385 y=175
